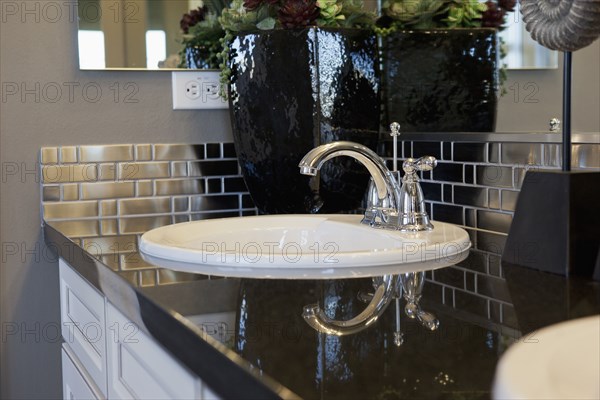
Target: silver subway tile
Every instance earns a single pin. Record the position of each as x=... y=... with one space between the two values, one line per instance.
x=106 y=153
x=109 y=245
x=235 y=184
x=509 y=200
x=181 y=204
x=448 y=213
x=494 y=153
x=133 y=261
x=181 y=218
x=49 y=155
x=491 y=242
x=73 y=209
x=156 y=205
x=107 y=172
x=213 y=215
x=109 y=227
x=84 y=228
x=143 y=152
x=552 y=155
x=148 y=278
x=142 y=224
x=51 y=193
x=586 y=156
x=144 y=188
x=70 y=192
x=521 y=153
x=179 y=169
x=229 y=150
x=68 y=154
x=431 y=191
x=494 y=198
x=470 y=152
x=213 y=150
x=447 y=151
x=214 y=185
x=421 y=149
x=214 y=203
x=106 y=190
x=470 y=196
x=493 y=221
x=213 y=168
x=108 y=208
x=142 y=170
x=448 y=172
x=167 y=277
x=179 y=186
x=69 y=173
x=494 y=176
x=470 y=217
x=469 y=171
x=172 y=152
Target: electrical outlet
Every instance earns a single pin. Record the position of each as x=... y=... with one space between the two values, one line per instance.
x=196 y=90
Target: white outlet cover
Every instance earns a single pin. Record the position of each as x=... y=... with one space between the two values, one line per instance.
x=197 y=90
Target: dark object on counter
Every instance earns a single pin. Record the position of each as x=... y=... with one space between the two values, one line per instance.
x=556 y=227
x=552 y=299
x=442 y=80
x=292 y=90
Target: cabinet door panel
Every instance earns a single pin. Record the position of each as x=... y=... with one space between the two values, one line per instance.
x=83 y=323
x=140 y=368
x=75 y=386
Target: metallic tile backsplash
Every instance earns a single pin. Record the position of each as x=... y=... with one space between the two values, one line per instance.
x=476 y=185
x=92 y=193
x=122 y=182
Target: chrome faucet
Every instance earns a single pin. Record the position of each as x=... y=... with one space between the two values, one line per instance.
x=381 y=213
x=389 y=205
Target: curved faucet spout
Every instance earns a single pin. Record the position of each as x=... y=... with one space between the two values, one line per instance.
x=388 y=190
x=317 y=318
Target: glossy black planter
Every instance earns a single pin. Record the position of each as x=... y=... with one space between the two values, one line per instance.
x=441 y=80
x=199 y=57
x=292 y=90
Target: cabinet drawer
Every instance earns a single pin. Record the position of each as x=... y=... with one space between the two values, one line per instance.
x=139 y=368
x=83 y=323
x=75 y=386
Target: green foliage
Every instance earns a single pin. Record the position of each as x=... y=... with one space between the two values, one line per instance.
x=431 y=14
x=204 y=35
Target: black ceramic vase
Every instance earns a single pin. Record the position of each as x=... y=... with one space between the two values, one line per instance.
x=292 y=90
x=443 y=80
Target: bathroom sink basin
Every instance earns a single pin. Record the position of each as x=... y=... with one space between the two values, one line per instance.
x=300 y=247
x=561 y=361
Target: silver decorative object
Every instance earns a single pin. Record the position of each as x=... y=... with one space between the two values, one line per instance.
x=564 y=25
x=555 y=125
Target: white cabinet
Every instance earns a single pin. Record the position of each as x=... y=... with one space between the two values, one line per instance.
x=83 y=323
x=75 y=386
x=139 y=368
x=107 y=356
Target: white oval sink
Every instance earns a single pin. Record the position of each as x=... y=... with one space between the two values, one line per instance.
x=300 y=247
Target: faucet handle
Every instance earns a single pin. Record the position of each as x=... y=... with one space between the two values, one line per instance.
x=426 y=163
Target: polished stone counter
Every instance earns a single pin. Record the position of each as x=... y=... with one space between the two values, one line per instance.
x=246 y=338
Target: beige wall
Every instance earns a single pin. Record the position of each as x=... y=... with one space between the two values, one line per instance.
x=45 y=52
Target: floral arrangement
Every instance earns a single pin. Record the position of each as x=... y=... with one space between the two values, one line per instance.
x=431 y=14
x=202 y=34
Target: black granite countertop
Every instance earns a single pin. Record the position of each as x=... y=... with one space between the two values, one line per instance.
x=255 y=343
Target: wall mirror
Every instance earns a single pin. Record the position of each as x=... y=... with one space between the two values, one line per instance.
x=145 y=34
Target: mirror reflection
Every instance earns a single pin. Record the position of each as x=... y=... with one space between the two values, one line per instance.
x=146 y=34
